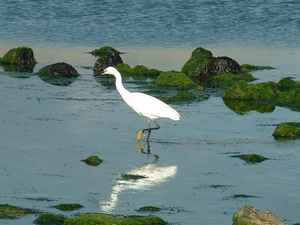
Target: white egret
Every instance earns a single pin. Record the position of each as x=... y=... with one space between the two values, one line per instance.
x=145 y=105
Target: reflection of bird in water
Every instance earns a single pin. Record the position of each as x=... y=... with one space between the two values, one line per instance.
x=145 y=105
x=141 y=147
x=153 y=175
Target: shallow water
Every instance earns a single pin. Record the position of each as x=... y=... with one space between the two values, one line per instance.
x=46 y=130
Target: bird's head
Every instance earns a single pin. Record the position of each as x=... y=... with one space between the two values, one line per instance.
x=110 y=70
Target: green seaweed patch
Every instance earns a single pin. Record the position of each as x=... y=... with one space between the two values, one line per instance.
x=68 y=207
x=149 y=208
x=13 y=212
x=288 y=83
x=196 y=64
x=175 y=80
x=93 y=160
x=225 y=80
x=250 y=68
x=105 y=219
x=50 y=219
x=290 y=130
x=132 y=177
x=251 y=158
x=138 y=72
x=242 y=107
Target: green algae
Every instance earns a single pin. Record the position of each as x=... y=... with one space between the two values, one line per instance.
x=68 y=207
x=225 y=80
x=105 y=219
x=138 y=72
x=251 y=158
x=250 y=68
x=13 y=212
x=93 y=160
x=199 y=59
x=290 y=130
x=244 y=106
x=50 y=219
x=175 y=80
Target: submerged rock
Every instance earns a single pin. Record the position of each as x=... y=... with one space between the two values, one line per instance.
x=176 y=80
x=132 y=177
x=18 y=68
x=149 y=209
x=139 y=72
x=93 y=160
x=251 y=158
x=107 y=56
x=68 y=207
x=106 y=219
x=19 y=56
x=14 y=212
x=287 y=131
x=50 y=219
x=249 y=215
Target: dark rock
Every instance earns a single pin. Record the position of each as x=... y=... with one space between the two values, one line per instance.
x=249 y=215
x=59 y=70
x=251 y=158
x=287 y=131
x=68 y=207
x=19 y=56
x=132 y=177
x=107 y=56
x=149 y=209
x=93 y=160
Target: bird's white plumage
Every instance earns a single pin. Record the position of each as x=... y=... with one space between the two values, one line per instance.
x=145 y=105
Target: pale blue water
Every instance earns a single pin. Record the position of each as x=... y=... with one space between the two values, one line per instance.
x=151 y=22
x=46 y=130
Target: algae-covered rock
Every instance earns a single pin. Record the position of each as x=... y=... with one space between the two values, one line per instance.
x=149 y=208
x=267 y=91
x=138 y=72
x=19 y=56
x=93 y=160
x=244 y=106
x=59 y=70
x=172 y=79
x=288 y=83
x=251 y=158
x=18 y=68
x=107 y=56
x=68 y=207
x=250 y=68
x=289 y=130
x=14 y=212
x=50 y=219
x=105 y=219
x=198 y=61
x=224 y=80
x=248 y=215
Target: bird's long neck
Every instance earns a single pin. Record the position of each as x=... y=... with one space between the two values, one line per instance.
x=119 y=85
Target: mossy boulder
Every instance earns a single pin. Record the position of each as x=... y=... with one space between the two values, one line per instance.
x=59 y=70
x=248 y=215
x=197 y=62
x=251 y=158
x=149 y=208
x=250 y=68
x=289 y=130
x=93 y=160
x=50 y=219
x=244 y=106
x=176 y=80
x=68 y=207
x=105 y=219
x=19 y=56
x=14 y=212
x=106 y=56
x=138 y=72
x=288 y=83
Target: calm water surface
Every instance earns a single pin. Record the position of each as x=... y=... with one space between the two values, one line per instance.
x=46 y=130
